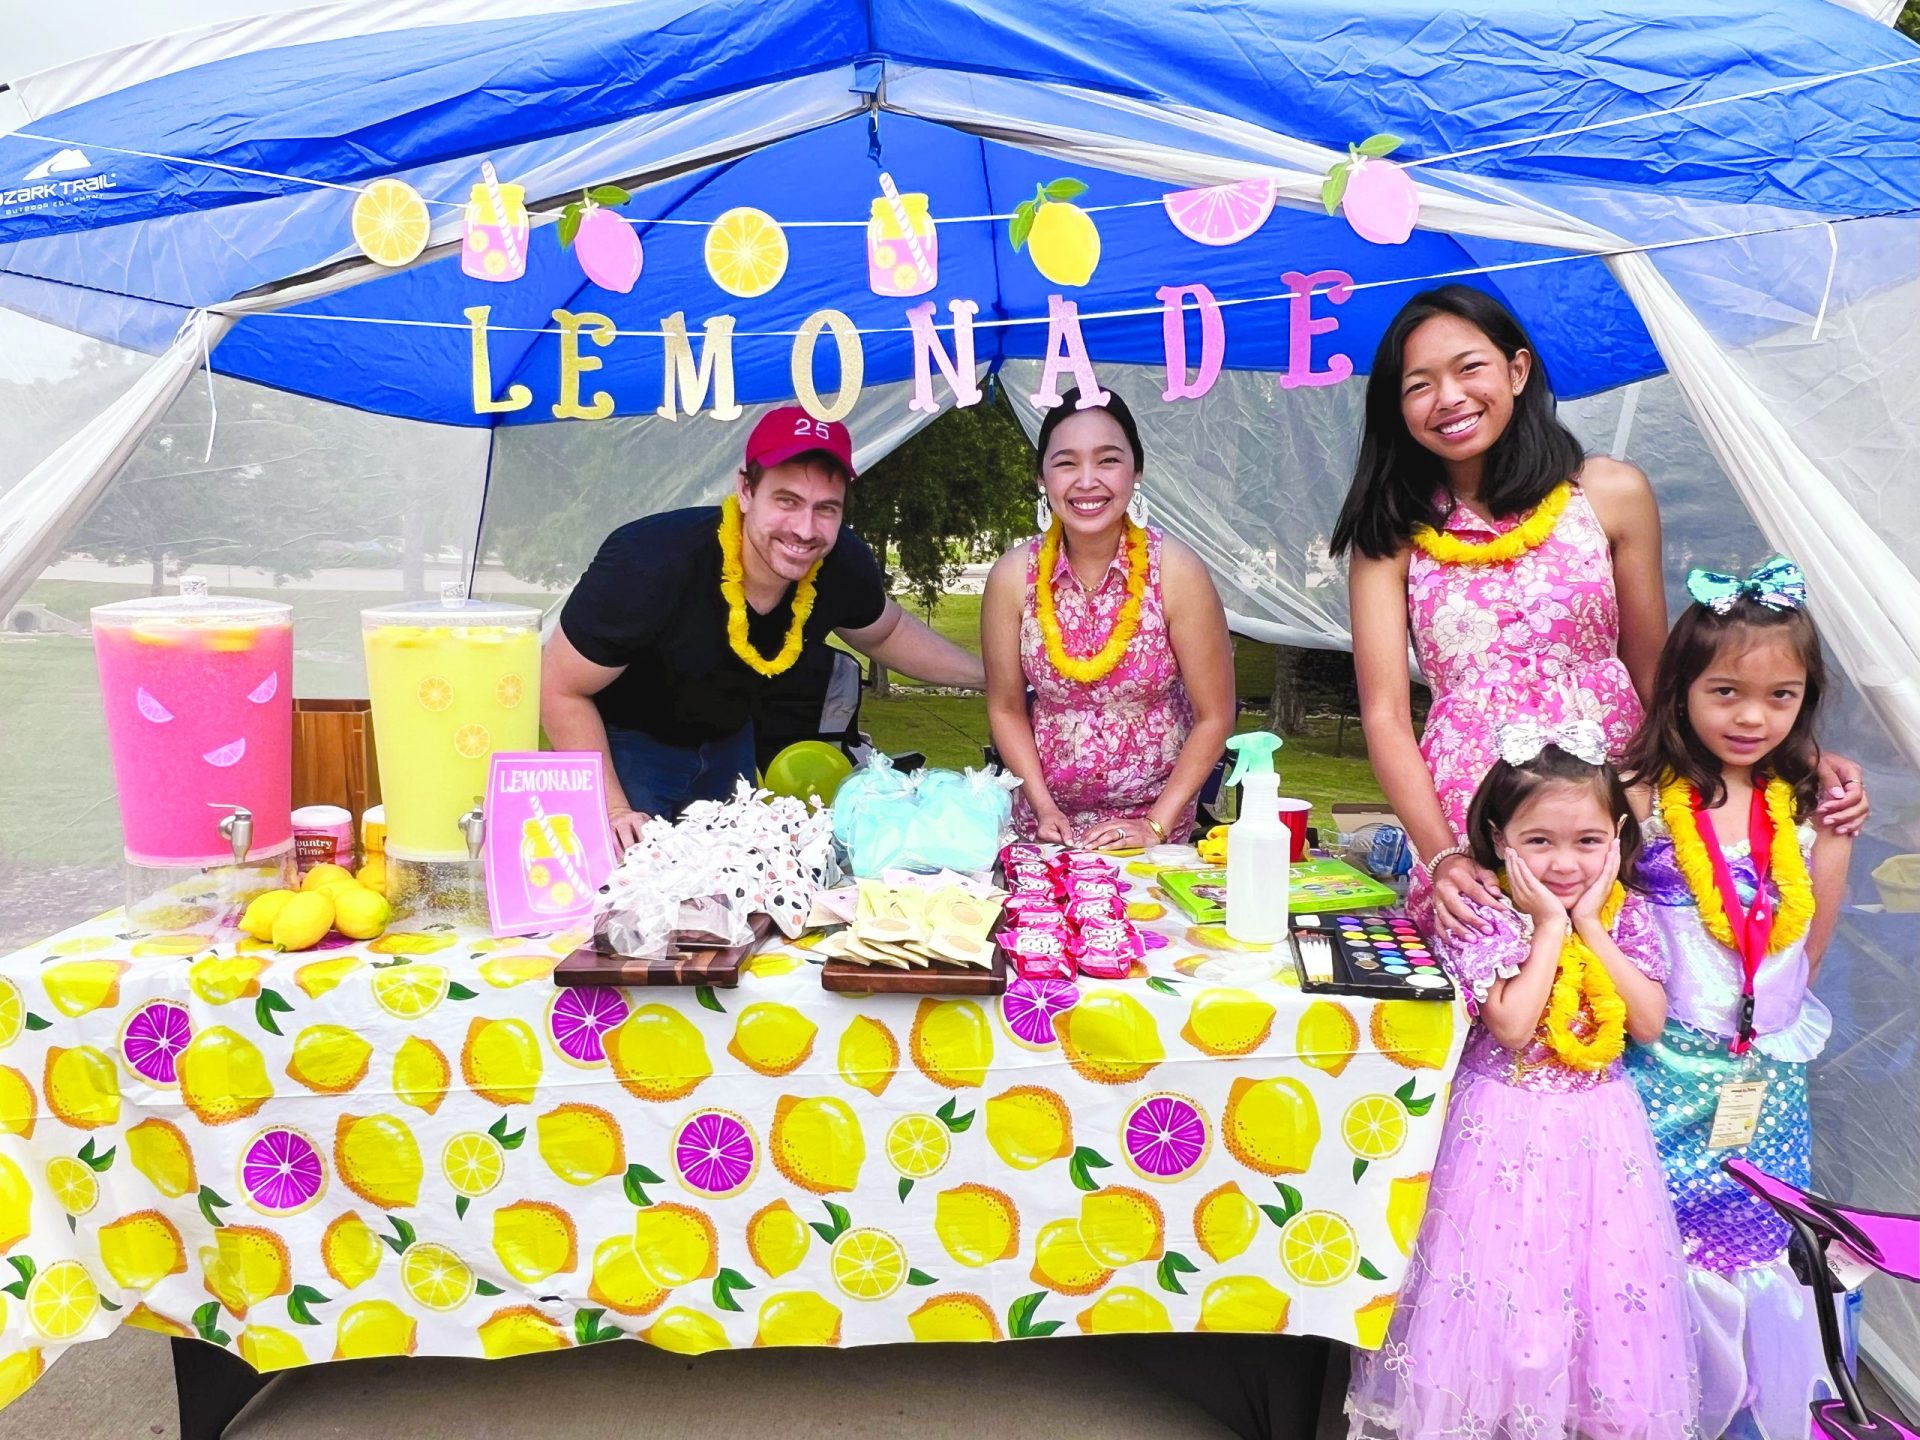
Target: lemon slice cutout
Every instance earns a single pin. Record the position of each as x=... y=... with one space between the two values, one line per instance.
x=746 y=252
x=390 y=222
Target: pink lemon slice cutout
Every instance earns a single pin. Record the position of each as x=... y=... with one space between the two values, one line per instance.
x=579 y=1017
x=281 y=1173
x=714 y=1154
x=227 y=754
x=1165 y=1137
x=151 y=708
x=1221 y=214
x=153 y=1038
x=1028 y=1007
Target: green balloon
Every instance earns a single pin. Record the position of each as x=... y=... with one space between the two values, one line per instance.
x=809 y=769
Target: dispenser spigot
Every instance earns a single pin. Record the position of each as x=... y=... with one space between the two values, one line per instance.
x=473 y=825
x=237 y=830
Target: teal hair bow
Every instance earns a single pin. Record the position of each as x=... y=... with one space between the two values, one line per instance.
x=1778 y=585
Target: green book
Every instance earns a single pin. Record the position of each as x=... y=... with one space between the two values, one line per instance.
x=1317 y=885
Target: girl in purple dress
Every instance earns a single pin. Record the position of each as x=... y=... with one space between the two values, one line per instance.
x=1546 y=1298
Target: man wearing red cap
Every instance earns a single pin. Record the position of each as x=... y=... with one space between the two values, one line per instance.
x=683 y=618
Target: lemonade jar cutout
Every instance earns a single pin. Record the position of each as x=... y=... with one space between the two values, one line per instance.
x=554 y=863
x=496 y=245
x=893 y=269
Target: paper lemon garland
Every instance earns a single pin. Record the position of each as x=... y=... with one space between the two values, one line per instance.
x=607 y=247
x=1380 y=202
x=746 y=252
x=1059 y=237
x=390 y=222
x=1529 y=534
x=1220 y=214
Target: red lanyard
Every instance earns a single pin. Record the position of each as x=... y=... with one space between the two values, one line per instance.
x=1752 y=926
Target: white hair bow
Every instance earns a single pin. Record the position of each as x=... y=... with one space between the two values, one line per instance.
x=1521 y=741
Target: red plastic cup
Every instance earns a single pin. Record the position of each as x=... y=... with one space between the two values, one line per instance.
x=1293 y=814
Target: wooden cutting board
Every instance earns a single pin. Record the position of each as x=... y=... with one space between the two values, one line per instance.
x=594 y=964
x=939 y=978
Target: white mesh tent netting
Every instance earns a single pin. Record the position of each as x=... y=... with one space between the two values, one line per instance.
x=1785 y=419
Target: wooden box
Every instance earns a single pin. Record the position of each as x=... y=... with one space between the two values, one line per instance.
x=333 y=756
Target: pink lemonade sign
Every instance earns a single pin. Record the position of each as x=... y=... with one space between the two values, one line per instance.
x=548 y=847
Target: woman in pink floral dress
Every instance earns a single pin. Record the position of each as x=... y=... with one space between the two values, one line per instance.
x=1111 y=751
x=1525 y=574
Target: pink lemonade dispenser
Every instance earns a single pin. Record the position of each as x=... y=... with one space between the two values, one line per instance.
x=198 y=692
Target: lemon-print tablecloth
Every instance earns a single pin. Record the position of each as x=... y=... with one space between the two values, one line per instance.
x=420 y=1145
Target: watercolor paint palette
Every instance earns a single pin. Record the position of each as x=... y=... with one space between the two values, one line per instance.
x=1380 y=955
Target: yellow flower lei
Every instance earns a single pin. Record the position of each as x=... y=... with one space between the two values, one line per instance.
x=733 y=588
x=1582 y=975
x=1529 y=534
x=1789 y=866
x=1097 y=666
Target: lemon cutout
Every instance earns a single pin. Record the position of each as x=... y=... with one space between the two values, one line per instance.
x=746 y=252
x=390 y=222
x=435 y=693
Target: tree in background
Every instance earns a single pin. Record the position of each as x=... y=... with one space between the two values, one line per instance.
x=961 y=490
x=1909 y=21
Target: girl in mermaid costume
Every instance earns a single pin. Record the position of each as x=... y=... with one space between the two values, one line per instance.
x=1744 y=896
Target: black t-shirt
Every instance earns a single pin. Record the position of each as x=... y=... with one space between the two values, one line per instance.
x=651 y=602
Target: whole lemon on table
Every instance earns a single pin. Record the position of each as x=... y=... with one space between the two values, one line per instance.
x=373 y=874
x=303 y=921
x=263 y=910
x=358 y=913
x=322 y=876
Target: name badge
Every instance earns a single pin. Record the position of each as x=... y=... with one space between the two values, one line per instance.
x=1737 y=1115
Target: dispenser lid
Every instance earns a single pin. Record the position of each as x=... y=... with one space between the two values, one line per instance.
x=460 y=613
x=193 y=606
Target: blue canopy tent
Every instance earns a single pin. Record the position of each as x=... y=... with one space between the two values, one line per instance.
x=1706 y=221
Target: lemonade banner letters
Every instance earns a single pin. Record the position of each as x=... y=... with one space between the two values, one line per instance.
x=704 y=383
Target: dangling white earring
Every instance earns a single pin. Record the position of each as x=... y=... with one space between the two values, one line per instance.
x=1137 y=506
x=1043 y=514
